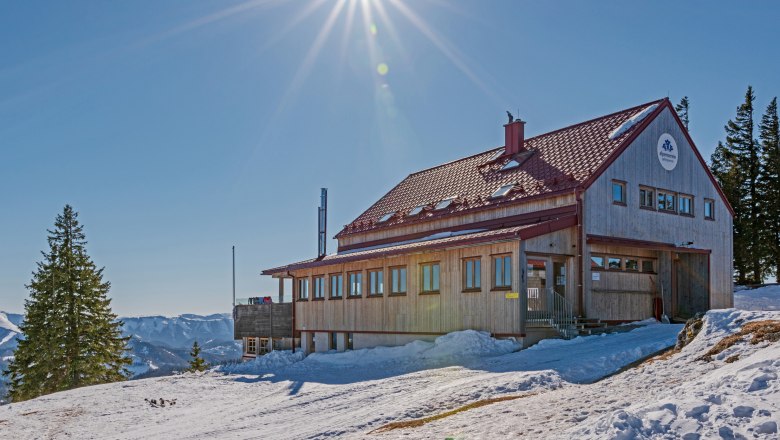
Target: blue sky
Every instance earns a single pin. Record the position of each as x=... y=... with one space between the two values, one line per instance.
x=180 y=128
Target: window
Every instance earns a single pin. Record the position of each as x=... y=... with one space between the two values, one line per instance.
x=618 y=192
x=303 y=289
x=376 y=284
x=613 y=263
x=319 y=287
x=336 y=285
x=511 y=164
x=355 y=284
x=386 y=217
x=416 y=210
x=686 y=205
x=398 y=281
x=646 y=198
x=632 y=264
x=501 y=192
x=350 y=341
x=496 y=155
x=429 y=274
x=596 y=262
x=333 y=341
x=251 y=345
x=709 y=209
x=444 y=203
x=648 y=266
x=666 y=201
x=472 y=274
x=502 y=269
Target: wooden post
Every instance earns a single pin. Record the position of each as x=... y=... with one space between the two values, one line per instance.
x=523 y=285
x=281 y=290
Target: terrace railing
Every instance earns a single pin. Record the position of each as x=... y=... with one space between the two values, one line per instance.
x=551 y=309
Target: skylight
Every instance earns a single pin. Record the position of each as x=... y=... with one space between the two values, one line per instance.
x=511 y=164
x=386 y=217
x=495 y=156
x=416 y=210
x=444 y=203
x=501 y=192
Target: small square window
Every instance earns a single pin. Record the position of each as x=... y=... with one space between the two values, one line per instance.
x=618 y=192
x=596 y=262
x=648 y=266
x=613 y=263
x=666 y=201
x=632 y=264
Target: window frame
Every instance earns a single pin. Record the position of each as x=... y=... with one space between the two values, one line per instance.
x=435 y=279
x=624 y=196
x=341 y=285
x=393 y=270
x=476 y=274
x=298 y=287
x=381 y=293
x=667 y=193
x=321 y=280
x=502 y=285
x=654 y=261
x=350 y=284
x=680 y=198
x=603 y=261
x=613 y=257
x=653 y=201
x=711 y=202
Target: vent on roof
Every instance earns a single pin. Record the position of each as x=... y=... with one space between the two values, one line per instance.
x=633 y=120
x=416 y=210
x=444 y=203
x=386 y=217
x=504 y=190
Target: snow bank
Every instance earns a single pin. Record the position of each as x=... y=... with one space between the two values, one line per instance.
x=736 y=395
x=461 y=344
x=762 y=298
x=633 y=120
x=273 y=361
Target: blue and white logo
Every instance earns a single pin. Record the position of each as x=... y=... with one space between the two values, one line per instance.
x=667 y=151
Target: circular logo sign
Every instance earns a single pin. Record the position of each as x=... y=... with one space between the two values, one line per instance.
x=667 y=151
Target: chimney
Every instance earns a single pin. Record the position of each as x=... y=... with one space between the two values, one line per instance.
x=514 y=136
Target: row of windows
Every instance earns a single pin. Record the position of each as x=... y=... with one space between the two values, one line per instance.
x=662 y=200
x=629 y=264
x=430 y=278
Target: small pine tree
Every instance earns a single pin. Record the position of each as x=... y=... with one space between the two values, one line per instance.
x=682 y=110
x=197 y=363
x=769 y=186
x=72 y=338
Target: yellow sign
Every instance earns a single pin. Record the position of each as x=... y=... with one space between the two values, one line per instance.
x=512 y=295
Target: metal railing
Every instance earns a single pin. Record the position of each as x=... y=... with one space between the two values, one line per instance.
x=551 y=309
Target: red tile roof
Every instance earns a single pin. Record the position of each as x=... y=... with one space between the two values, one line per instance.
x=437 y=241
x=561 y=161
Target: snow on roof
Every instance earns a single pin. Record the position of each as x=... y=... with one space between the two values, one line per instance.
x=633 y=120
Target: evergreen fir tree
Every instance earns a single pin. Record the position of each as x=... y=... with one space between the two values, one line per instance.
x=682 y=110
x=747 y=222
x=197 y=363
x=725 y=168
x=72 y=338
x=769 y=187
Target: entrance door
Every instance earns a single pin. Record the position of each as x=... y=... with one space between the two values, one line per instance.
x=536 y=273
x=690 y=284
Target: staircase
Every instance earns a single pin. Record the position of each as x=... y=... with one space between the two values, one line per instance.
x=553 y=310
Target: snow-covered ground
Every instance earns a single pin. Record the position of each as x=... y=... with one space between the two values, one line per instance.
x=567 y=388
x=762 y=298
x=337 y=394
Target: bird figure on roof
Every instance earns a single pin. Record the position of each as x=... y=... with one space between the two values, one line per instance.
x=511 y=118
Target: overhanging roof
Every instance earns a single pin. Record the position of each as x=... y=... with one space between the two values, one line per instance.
x=436 y=242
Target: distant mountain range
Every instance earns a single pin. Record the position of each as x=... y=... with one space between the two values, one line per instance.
x=159 y=345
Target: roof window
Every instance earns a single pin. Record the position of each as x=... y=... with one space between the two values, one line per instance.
x=386 y=217
x=504 y=190
x=444 y=203
x=511 y=164
x=416 y=210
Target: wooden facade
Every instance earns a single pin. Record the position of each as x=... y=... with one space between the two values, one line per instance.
x=610 y=259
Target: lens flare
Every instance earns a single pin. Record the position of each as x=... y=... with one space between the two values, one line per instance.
x=372 y=29
x=382 y=69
